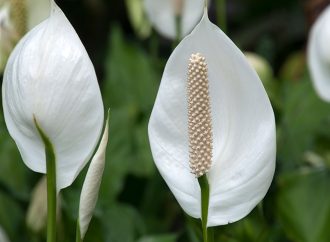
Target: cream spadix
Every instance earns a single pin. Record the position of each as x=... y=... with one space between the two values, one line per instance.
x=49 y=76
x=240 y=146
x=162 y=14
x=319 y=54
x=199 y=116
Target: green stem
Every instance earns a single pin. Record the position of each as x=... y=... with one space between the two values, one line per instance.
x=78 y=235
x=154 y=46
x=51 y=184
x=178 y=30
x=221 y=14
x=205 y=195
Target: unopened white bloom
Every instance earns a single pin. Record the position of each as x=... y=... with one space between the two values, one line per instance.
x=49 y=76
x=319 y=54
x=260 y=65
x=162 y=14
x=91 y=186
x=210 y=99
x=3 y=236
x=36 y=218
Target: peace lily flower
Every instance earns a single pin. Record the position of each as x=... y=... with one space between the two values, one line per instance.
x=212 y=117
x=261 y=66
x=36 y=217
x=319 y=54
x=3 y=236
x=92 y=183
x=163 y=13
x=50 y=81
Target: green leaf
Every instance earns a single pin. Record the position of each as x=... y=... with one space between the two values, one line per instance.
x=303 y=122
x=159 y=238
x=11 y=217
x=303 y=205
x=14 y=175
x=129 y=89
x=130 y=77
x=121 y=223
x=252 y=228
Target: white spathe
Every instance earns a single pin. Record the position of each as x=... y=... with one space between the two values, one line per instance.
x=3 y=236
x=49 y=75
x=318 y=52
x=91 y=186
x=244 y=140
x=162 y=14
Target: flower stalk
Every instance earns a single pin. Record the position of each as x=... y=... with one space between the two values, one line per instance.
x=221 y=14
x=178 y=7
x=78 y=234
x=178 y=29
x=205 y=196
x=51 y=184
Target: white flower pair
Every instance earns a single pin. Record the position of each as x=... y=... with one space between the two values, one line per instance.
x=50 y=77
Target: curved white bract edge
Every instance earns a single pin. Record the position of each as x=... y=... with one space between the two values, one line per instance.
x=318 y=55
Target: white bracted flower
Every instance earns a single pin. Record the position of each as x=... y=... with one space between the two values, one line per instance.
x=50 y=77
x=92 y=183
x=212 y=116
x=3 y=236
x=162 y=14
x=319 y=54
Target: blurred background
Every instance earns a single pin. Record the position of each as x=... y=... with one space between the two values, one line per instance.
x=134 y=202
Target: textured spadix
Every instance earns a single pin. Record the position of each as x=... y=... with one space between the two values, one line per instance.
x=162 y=14
x=319 y=54
x=50 y=76
x=243 y=126
x=199 y=116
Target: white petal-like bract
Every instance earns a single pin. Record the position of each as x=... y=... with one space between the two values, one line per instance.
x=244 y=142
x=3 y=236
x=49 y=75
x=91 y=186
x=162 y=14
x=319 y=55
